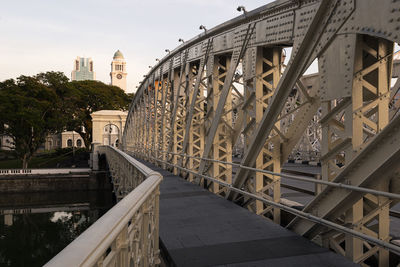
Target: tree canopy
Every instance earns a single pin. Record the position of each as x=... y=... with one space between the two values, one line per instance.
x=33 y=107
x=30 y=110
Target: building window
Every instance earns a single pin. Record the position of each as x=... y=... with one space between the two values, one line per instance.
x=83 y=63
x=79 y=143
x=91 y=65
x=69 y=143
x=76 y=64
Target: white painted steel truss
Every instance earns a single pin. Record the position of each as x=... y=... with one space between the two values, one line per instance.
x=228 y=90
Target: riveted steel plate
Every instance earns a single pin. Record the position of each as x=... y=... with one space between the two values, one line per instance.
x=382 y=21
x=340 y=15
x=195 y=51
x=249 y=63
x=277 y=29
x=223 y=41
x=336 y=68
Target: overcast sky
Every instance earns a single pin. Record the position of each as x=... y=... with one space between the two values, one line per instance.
x=47 y=35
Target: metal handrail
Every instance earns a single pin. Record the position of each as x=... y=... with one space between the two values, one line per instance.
x=138 y=165
x=295 y=177
x=393 y=248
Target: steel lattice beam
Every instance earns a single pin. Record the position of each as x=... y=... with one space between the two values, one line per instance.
x=223 y=92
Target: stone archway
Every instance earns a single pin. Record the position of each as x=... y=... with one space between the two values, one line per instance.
x=110 y=135
x=103 y=118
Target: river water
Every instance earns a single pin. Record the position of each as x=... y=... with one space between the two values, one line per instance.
x=34 y=227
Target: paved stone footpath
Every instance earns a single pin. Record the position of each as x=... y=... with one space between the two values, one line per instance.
x=198 y=228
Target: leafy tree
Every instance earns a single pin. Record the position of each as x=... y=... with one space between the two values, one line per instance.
x=33 y=107
x=93 y=96
x=30 y=110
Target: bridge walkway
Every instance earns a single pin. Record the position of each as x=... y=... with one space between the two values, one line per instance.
x=198 y=228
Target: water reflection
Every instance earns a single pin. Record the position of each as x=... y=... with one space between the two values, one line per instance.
x=36 y=226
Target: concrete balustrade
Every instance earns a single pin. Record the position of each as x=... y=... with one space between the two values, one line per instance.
x=128 y=234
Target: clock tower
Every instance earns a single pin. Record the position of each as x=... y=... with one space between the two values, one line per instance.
x=118 y=71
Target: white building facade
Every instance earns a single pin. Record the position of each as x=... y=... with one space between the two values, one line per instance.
x=108 y=126
x=71 y=139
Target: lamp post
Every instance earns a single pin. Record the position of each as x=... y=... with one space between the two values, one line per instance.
x=202 y=27
x=242 y=8
x=73 y=145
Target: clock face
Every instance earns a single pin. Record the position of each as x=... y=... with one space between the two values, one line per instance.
x=119 y=76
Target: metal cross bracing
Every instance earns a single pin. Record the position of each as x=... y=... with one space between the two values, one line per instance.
x=258 y=92
x=221 y=141
x=179 y=86
x=166 y=110
x=193 y=142
x=158 y=96
x=349 y=124
x=229 y=90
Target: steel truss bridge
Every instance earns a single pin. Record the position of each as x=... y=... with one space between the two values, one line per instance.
x=228 y=92
x=229 y=86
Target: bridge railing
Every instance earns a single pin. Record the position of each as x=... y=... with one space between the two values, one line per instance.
x=9 y=172
x=282 y=205
x=128 y=234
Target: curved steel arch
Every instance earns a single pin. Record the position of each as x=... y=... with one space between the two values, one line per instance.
x=229 y=85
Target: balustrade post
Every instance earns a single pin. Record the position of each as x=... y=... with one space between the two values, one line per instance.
x=157 y=226
x=123 y=247
x=145 y=233
x=95 y=157
x=318 y=187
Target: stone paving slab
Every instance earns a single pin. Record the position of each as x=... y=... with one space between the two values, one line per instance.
x=198 y=228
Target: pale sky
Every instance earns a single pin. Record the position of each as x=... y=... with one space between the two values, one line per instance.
x=47 y=35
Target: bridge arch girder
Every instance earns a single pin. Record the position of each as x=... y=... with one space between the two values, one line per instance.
x=215 y=92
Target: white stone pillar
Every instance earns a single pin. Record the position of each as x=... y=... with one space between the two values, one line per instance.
x=94 y=156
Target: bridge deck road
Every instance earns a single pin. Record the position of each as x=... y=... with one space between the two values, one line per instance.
x=198 y=228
